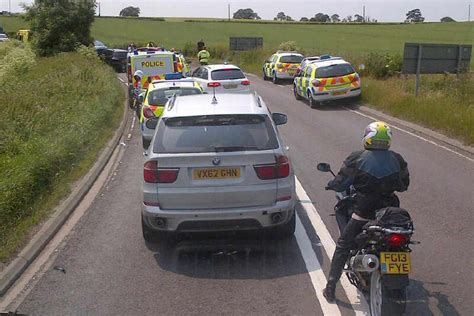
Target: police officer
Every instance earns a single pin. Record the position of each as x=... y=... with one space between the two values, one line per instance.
x=376 y=173
x=203 y=56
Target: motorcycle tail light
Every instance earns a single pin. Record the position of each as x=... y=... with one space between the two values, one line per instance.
x=397 y=240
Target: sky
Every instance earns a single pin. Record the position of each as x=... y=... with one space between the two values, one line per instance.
x=382 y=10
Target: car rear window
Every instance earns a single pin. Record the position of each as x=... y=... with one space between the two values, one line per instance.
x=227 y=74
x=334 y=71
x=215 y=133
x=161 y=96
x=291 y=59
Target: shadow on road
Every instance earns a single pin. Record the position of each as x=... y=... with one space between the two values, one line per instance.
x=419 y=299
x=218 y=256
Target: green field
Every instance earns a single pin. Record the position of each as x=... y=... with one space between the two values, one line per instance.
x=330 y=38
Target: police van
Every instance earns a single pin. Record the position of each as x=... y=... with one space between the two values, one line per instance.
x=154 y=64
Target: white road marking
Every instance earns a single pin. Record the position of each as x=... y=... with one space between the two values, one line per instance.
x=314 y=269
x=133 y=123
x=414 y=135
x=357 y=299
x=121 y=79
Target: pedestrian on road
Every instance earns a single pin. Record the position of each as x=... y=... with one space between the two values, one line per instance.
x=204 y=56
x=375 y=173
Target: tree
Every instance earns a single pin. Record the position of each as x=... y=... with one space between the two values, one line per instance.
x=60 y=26
x=335 y=18
x=447 y=19
x=281 y=16
x=414 y=16
x=347 y=19
x=304 y=19
x=289 y=18
x=130 y=11
x=358 y=18
x=321 y=17
x=246 y=14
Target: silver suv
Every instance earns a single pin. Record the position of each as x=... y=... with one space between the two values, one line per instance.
x=217 y=164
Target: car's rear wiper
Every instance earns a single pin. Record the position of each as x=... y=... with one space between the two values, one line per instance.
x=233 y=148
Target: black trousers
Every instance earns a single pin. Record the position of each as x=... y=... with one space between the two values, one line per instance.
x=344 y=245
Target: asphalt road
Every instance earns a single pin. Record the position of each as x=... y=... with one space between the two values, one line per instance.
x=110 y=269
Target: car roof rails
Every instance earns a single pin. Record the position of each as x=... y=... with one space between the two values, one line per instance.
x=328 y=57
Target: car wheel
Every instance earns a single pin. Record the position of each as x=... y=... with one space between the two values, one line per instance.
x=153 y=236
x=146 y=143
x=312 y=104
x=286 y=230
x=275 y=80
x=264 y=75
x=295 y=92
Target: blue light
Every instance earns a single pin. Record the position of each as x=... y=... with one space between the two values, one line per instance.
x=174 y=76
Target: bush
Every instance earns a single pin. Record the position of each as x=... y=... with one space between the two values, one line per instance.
x=63 y=106
x=88 y=52
x=382 y=66
x=15 y=59
x=288 y=46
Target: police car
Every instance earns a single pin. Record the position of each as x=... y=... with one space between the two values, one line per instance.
x=282 y=65
x=328 y=78
x=155 y=98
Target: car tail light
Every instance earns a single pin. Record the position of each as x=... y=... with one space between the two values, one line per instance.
x=153 y=174
x=278 y=170
x=284 y=198
x=316 y=83
x=245 y=82
x=129 y=73
x=213 y=84
x=356 y=78
x=279 y=65
x=397 y=240
x=148 y=112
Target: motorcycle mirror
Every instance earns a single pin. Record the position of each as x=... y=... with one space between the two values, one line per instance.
x=324 y=167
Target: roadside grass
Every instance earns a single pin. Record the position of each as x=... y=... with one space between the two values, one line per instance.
x=445 y=103
x=55 y=118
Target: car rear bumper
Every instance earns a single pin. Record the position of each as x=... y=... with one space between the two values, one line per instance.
x=328 y=95
x=285 y=75
x=146 y=132
x=212 y=220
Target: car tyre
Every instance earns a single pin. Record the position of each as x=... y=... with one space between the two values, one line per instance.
x=286 y=230
x=264 y=75
x=275 y=80
x=295 y=92
x=153 y=236
x=312 y=104
x=146 y=143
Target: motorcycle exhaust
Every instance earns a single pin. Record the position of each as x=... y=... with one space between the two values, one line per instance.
x=365 y=263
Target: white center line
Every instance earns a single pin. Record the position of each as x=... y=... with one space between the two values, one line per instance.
x=314 y=269
x=357 y=299
x=414 y=135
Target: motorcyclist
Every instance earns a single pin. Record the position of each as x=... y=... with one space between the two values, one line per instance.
x=137 y=89
x=375 y=173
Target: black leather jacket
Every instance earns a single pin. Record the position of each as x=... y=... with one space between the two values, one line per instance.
x=376 y=175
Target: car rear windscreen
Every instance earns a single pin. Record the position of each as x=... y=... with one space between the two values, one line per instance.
x=291 y=59
x=161 y=96
x=227 y=74
x=334 y=71
x=215 y=133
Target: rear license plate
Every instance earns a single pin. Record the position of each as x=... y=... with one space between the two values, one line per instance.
x=339 y=92
x=230 y=86
x=216 y=173
x=395 y=262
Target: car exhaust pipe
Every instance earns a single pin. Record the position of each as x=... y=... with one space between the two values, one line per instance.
x=276 y=217
x=365 y=263
x=160 y=222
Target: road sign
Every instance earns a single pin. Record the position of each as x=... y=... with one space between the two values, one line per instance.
x=245 y=43
x=422 y=58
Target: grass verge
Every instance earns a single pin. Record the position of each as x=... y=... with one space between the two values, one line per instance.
x=54 y=120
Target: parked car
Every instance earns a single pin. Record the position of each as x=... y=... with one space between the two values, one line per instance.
x=222 y=79
x=3 y=37
x=281 y=65
x=217 y=163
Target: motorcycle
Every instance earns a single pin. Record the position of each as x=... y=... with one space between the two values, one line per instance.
x=380 y=263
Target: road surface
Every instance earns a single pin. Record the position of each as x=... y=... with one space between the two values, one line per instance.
x=110 y=270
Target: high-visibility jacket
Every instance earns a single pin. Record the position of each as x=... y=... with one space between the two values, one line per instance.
x=204 y=56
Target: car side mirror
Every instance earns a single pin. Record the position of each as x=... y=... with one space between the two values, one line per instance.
x=279 y=118
x=324 y=167
x=152 y=122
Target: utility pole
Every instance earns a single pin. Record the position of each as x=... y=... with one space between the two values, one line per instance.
x=469 y=14
x=99 y=8
x=9 y=6
x=228 y=11
x=363 y=12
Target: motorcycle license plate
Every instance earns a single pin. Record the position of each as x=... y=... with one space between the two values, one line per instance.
x=395 y=262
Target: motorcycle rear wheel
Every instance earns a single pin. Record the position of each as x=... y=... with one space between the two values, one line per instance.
x=384 y=301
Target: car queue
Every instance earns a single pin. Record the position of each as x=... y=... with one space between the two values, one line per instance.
x=214 y=160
